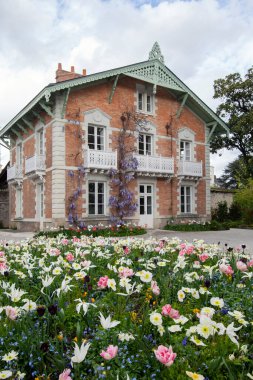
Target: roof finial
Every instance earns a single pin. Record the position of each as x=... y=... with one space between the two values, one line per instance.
x=155 y=53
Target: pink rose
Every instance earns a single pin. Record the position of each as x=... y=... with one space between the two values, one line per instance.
x=65 y=375
x=241 y=266
x=165 y=355
x=110 y=352
x=102 y=282
x=70 y=257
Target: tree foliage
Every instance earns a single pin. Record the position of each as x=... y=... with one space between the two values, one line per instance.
x=236 y=95
x=235 y=175
x=244 y=198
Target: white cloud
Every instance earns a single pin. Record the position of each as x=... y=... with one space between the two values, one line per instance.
x=200 y=40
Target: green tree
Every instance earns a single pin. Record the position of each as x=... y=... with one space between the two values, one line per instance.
x=244 y=198
x=236 y=95
x=235 y=175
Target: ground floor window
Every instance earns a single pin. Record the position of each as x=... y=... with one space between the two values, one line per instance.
x=19 y=203
x=186 y=199
x=96 y=198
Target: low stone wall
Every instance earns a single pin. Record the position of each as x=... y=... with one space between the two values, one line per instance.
x=221 y=195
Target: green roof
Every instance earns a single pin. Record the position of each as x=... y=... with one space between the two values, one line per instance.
x=152 y=71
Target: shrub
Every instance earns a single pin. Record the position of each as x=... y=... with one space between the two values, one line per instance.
x=244 y=198
x=208 y=226
x=220 y=213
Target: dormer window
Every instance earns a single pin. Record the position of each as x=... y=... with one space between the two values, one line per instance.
x=96 y=137
x=145 y=99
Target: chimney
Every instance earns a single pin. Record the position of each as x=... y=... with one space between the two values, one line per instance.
x=84 y=72
x=62 y=75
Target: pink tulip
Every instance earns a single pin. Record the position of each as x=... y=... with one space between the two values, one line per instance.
x=65 y=375
x=70 y=257
x=241 y=266
x=203 y=257
x=166 y=310
x=250 y=263
x=102 y=282
x=155 y=288
x=226 y=269
x=126 y=272
x=11 y=312
x=110 y=352
x=174 y=314
x=165 y=355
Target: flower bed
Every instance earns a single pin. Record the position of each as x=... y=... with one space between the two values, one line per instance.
x=94 y=308
x=197 y=226
x=95 y=231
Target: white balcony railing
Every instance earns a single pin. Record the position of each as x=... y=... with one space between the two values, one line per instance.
x=14 y=173
x=35 y=164
x=190 y=168
x=152 y=164
x=99 y=159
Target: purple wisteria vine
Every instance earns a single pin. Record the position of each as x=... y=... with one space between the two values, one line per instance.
x=122 y=203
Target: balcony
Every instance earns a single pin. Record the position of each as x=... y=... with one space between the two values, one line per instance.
x=35 y=166
x=154 y=166
x=14 y=174
x=100 y=161
x=190 y=169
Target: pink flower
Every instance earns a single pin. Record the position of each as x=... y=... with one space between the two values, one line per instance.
x=250 y=263
x=126 y=272
x=226 y=269
x=64 y=241
x=126 y=250
x=157 y=249
x=155 y=288
x=11 y=312
x=65 y=375
x=102 y=282
x=241 y=266
x=168 y=311
x=203 y=257
x=189 y=250
x=165 y=355
x=110 y=352
x=70 y=257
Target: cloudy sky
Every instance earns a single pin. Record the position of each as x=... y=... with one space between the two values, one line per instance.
x=201 y=40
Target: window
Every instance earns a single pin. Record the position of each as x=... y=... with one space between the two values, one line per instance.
x=186 y=199
x=185 y=150
x=145 y=99
x=145 y=144
x=40 y=142
x=95 y=137
x=96 y=198
x=19 y=203
x=19 y=155
x=40 y=200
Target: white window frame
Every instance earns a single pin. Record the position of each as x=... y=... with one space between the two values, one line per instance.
x=145 y=99
x=40 y=140
x=96 y=204
x=40 y=200
x=19 y=203
x=96 y=127
x=184 y=209
x=185 y=150
x=145 y=151
x=19 y=154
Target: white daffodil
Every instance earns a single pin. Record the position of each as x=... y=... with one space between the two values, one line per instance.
x=208 y=311
x=15 y=294
x=12 y=355
x=156 y=319
x=180 y=296
x=181 y=320
x=175 y=328
x=146 y=276
x=194 y=375
x=57 y=271
x=29 y=305
x=230 y=331
x=216 y=301
x=83 y=305
x=5 y=374
x=111 y=283
x=197 y=341
x=107 y=323
x=80 y=353
x=125 y=337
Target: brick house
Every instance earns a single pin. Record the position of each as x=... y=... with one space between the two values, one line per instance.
x=71 y=123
